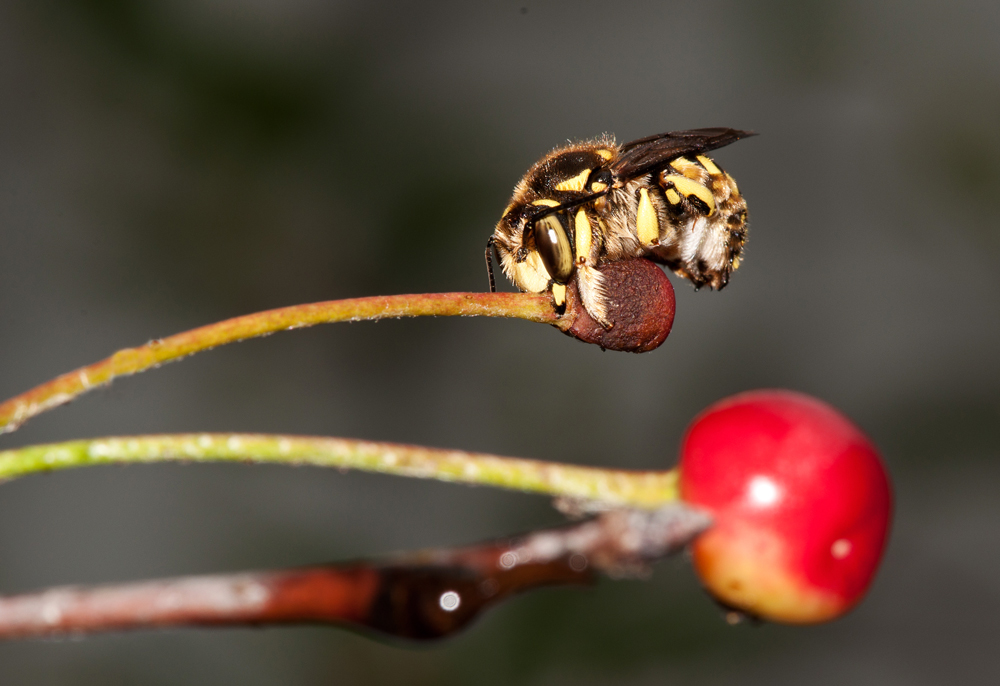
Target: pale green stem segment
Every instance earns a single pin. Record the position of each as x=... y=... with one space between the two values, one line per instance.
x=608 y=486
x=62 y=389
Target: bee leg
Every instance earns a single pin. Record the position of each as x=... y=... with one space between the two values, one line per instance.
x=489 y=264
x=590 y=283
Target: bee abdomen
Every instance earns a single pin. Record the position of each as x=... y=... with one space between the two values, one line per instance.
x=702 y=221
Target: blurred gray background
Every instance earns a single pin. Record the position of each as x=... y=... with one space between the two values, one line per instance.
x=165 y=164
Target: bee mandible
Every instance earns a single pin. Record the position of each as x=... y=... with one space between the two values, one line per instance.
x=595 y=202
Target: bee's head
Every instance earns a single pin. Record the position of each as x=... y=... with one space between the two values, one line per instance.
x=534 y=237
x=534 y=244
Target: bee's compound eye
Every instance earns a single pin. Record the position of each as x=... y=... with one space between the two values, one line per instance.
x=553 y=247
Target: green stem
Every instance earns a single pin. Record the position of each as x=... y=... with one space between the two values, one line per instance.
x=62 y=389
x=611 y=486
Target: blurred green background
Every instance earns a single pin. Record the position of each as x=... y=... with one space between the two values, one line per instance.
x=165 y=164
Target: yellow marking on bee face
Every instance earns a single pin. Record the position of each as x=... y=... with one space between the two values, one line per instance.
x=546 y=202
x=507 y=211
x=708 y=164
x=559 y=294
x=606 y=154
x=736 y=263
x=732 y=182
x=597 y=186
x=577 y=183
x=530 y=275
x=688 y=187
x=672 y=196
x=584 y=235
x=647 y=226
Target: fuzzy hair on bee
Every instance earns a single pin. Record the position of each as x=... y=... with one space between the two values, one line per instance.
x=594 y=202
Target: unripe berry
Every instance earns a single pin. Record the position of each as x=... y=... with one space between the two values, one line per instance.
x=801 y=501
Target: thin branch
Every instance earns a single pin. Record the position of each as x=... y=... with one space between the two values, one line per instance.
x=607 y=486
x=419 y=596
x=62 y=389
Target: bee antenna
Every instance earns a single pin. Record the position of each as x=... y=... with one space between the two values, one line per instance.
x=489 y=264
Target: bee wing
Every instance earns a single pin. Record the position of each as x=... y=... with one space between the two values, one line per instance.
x=641 y=156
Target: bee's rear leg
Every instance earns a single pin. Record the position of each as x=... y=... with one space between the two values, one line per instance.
x=590 y=283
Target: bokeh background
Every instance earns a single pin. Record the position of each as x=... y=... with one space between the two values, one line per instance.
x=169 y=163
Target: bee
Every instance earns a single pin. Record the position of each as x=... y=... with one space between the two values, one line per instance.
x=590 y=203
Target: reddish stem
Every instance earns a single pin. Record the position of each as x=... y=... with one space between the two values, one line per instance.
x=418 y=596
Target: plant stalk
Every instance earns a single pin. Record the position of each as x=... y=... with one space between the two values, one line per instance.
x=608 y=487
x=62 y=389
x=425 y=595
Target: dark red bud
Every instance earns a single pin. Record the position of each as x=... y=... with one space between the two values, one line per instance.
x=640 y=307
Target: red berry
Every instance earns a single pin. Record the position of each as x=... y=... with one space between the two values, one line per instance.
x=801 y=501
